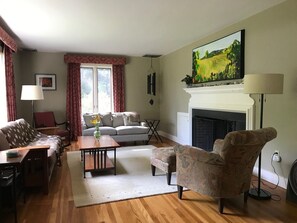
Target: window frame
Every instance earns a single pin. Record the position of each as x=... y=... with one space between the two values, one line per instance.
x=94 y=67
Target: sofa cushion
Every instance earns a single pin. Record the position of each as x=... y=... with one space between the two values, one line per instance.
x=54 y=141
x=128 y=130
x=117 y=119
x=106 y=119
x=4 y=145
x=107 y=130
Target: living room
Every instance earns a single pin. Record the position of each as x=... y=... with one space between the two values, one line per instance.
x=270 y=43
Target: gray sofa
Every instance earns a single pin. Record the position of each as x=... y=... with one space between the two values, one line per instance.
x=19 y=133
x=121 y=126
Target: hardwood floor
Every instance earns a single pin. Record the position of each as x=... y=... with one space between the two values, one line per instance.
x=58 y=206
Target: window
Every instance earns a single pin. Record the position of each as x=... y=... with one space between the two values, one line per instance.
x=96 y=89
x=3 y=103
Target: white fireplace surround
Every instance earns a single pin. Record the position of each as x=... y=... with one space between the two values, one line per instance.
x=226 y=98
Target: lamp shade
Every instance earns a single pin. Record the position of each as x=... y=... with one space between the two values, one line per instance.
x=32 y=92
x=263 y=83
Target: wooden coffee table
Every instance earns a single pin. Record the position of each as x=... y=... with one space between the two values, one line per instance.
x=94 y=153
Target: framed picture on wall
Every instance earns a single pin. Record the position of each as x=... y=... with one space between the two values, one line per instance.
x=46 y=81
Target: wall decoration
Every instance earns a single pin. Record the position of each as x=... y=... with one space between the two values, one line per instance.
x=47 y=81
x=219 y=60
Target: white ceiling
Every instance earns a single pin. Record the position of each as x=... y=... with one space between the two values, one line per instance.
x=121 y=27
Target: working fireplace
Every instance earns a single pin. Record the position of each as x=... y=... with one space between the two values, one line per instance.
x=209 y=125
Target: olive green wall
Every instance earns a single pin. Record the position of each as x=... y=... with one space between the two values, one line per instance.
x=270 y=47
x=31 y=63
x=137 y=99
x=27 y=64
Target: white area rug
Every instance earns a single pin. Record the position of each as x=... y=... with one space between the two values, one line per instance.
x=134 y=178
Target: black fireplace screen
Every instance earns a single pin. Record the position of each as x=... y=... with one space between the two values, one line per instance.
x=207 y=126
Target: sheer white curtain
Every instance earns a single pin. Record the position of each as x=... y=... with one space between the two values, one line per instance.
x=3 y=103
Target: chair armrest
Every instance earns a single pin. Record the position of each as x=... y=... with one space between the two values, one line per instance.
x=33 y=147
x=197 y=154
x=66 y=123
x=48 y=130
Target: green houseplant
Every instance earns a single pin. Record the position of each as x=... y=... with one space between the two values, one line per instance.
x=188 y=80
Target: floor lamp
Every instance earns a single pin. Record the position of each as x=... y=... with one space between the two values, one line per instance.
x=262 y=84
x=32 y=93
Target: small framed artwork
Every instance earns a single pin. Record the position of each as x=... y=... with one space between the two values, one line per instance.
x=46 y=81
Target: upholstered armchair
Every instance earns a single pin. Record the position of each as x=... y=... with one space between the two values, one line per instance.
x=227 y=170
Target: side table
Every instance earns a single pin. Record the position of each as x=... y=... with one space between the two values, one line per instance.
x=153 y=125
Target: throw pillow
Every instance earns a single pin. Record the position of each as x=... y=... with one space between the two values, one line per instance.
x=117 y=119
x=106 y=119
x=14 y=135
x=88 y=120
x=130 y=120
x=30 y=133
x=4 y=145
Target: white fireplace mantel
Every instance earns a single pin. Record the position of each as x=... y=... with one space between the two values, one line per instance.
x=227 y=98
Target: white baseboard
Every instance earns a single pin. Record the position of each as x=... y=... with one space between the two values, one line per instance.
x=265 y=175
x=168 y=136
x=271 y=177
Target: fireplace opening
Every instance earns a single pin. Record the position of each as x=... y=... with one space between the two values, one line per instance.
x=207 y=126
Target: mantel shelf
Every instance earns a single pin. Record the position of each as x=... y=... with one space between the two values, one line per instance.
x=232 y=88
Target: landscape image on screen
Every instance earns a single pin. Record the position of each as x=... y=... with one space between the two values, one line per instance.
x=219 y=60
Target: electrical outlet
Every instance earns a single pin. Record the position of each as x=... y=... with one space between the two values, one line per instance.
x=276 y=157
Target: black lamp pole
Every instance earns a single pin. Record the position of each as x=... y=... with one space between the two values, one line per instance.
x=259 y=193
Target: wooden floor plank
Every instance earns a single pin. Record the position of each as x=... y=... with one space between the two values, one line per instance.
x=58 y=206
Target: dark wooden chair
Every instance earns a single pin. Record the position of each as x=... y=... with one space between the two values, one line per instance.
x=45 y=122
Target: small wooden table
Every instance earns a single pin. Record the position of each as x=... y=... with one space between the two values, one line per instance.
x=94 y=153
x=14 y=164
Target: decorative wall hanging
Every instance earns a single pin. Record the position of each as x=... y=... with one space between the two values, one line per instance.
x=46 y=81
x=220 y=60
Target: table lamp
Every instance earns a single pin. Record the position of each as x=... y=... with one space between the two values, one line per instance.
x=33 y=93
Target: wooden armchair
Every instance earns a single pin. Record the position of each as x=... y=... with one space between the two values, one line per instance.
x=227 y=170
x=45 y=122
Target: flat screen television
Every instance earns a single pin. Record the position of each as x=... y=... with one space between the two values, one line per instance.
x=221 y=60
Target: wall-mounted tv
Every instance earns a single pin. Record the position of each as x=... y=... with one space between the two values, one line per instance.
x=220 y=60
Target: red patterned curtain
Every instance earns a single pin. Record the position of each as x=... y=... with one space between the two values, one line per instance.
x=73 y=58
x=10 y=85
x=10 y=46
x=118 y=88
x=73 y=106
x=7 y=40
x=73 y=101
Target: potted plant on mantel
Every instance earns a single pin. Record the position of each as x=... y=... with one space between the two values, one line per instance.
x=188 y=80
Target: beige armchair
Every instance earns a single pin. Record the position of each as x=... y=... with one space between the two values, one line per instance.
x=226 y=171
